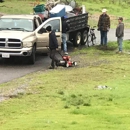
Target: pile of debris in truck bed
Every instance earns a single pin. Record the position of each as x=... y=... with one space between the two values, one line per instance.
x=58 y=8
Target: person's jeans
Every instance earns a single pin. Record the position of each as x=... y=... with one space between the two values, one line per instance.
x=103 y=37
x=120 y=41
x=53 y=57
x=64 y=42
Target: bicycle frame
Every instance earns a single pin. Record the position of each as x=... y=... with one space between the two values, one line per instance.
x=91 y=36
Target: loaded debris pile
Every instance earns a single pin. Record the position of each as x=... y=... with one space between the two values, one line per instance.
x=56 y=8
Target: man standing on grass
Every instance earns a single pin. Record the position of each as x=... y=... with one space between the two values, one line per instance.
x=53 y=46
x=104 y=26
x=120 y=33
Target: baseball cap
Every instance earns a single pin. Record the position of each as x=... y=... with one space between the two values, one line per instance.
x=120 y=18
x=48 y=28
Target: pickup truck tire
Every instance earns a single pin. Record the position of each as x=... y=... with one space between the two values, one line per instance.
x=32 y=57
x=77 y=39
x=84 y=37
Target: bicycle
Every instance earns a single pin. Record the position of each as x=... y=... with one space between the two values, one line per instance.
x=91 y=40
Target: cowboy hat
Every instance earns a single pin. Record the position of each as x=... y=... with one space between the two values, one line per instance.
x=104 y=10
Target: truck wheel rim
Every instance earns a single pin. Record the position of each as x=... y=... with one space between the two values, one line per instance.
x=85 y=36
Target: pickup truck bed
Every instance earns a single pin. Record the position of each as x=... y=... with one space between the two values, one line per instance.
x=79 y=29
x=77 y=22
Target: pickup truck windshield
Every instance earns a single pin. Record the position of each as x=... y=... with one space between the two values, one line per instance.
x=16 y=24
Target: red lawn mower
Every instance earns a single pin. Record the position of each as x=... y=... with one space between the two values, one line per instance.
x=66 y=61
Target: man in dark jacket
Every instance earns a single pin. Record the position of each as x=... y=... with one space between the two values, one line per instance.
x=65 y=28
x=104 y=26
x=53 y=46
x=120 y=33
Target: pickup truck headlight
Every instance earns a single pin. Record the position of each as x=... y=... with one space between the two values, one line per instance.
x=27 y=44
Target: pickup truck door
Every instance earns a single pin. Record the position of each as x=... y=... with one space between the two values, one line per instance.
x=43 y=36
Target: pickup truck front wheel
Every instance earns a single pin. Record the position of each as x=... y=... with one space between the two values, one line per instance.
x=77 y=40
x=32 y=57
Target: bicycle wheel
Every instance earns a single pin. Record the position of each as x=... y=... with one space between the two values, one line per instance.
x=89 y=40
x=93 y=39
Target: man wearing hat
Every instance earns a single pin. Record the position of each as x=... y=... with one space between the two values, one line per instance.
x=120 y=33
x=104 y=26
x=53 y=46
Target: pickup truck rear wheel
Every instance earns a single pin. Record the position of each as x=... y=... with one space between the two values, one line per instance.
x=77 y=38
x=32 y=57
x=84 y=37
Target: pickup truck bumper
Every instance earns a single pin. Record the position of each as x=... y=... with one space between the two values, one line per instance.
x=6 y=53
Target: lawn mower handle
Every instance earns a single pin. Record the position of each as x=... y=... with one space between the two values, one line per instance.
x=56 y=50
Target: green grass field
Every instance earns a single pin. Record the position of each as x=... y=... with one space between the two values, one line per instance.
x=68 y=98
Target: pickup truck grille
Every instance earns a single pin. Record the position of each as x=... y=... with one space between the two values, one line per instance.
x=10 y=43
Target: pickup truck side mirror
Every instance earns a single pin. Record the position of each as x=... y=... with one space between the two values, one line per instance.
x=42 y=30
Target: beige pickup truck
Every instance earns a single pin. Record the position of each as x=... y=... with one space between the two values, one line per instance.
x=24 y=35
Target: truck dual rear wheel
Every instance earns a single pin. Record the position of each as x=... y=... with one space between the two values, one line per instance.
x=84 y=37
x=77 y=38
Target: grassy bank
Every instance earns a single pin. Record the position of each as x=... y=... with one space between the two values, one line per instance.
x=68 y=98
x=94 y=8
